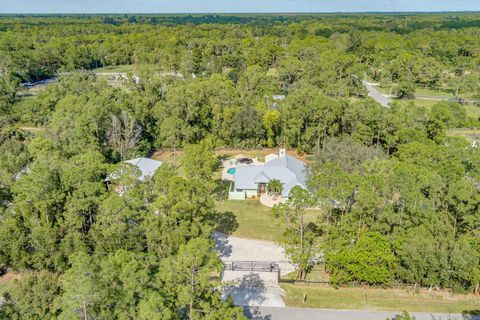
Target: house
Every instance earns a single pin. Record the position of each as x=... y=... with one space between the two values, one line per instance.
x=252 y=180
x=146 y=168
x=276 y=98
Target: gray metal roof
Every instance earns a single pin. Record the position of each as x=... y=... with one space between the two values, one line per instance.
x=147 y=166
x=287 y=169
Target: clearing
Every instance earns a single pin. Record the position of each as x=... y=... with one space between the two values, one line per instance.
x=472 y=110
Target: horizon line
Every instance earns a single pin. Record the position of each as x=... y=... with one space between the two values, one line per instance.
x=246 y=13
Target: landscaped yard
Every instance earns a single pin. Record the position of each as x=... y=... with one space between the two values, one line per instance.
x=256 y=221
x=378 y=299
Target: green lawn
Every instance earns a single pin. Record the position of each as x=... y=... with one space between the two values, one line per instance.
x=472 y=110
x=256 y=221
x=468 y=134
x=378 y=299
x=429 y=92
x=441 y=93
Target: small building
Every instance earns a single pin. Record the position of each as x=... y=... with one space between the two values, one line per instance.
x=146 y=168
x=252 y=180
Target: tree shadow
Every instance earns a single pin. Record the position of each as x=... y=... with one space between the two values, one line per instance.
x=227 y=223
x=221 y=244
x=471 y=314
x=220 y=159
x=221 y=189
x=254 y=313
x=250 y=291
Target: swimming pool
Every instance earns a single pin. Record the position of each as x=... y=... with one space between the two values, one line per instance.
x=231 y=171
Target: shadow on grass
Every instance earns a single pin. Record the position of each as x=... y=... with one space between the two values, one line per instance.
x=221 y=189
x=227 y=223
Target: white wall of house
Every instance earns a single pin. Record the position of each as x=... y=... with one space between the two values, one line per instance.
x=242 y=194
x=236 y=195
x=251 y=193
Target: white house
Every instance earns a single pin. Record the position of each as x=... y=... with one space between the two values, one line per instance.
x=252 y=180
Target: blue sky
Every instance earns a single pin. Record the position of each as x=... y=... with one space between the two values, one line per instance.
x=202 y=6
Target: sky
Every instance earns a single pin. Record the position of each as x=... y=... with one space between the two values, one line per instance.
x=232 y=6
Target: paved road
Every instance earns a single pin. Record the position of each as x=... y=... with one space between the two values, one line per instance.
x=268 y=313
x=376 y=94
x=252 y=288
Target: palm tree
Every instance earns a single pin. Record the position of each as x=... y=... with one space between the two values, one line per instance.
x=275 y=187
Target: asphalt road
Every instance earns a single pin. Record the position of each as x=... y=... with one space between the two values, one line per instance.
x=376 y=94
x=268 y=313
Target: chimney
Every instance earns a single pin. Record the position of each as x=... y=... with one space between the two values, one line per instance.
x=282 y=153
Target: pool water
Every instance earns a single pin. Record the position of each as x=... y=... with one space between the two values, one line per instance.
x=231 y=171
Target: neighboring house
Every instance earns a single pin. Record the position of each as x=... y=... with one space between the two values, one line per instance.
x=146 y=167
x=276 y=98
x=252 y=180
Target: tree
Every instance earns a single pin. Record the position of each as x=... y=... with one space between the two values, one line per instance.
x=405 y=90
x=199 y=161
x=366 y=259
x=124 y=278
x=300 y=237
x=187 y=275
x=124 y=135
x=275 y=187
x=32 y=297
x=79 y=290
x=404 y=316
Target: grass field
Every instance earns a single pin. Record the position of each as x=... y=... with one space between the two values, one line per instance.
x=378 y=299
x=256 y=221
x=468 y=134
x=472 y=110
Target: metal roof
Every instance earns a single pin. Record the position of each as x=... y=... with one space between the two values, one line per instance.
x=287 y=169
x=147 y=166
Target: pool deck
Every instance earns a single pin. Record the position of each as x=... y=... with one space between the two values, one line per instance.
x=232 y=164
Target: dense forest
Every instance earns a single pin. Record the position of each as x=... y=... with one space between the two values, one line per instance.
x=399 y=197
